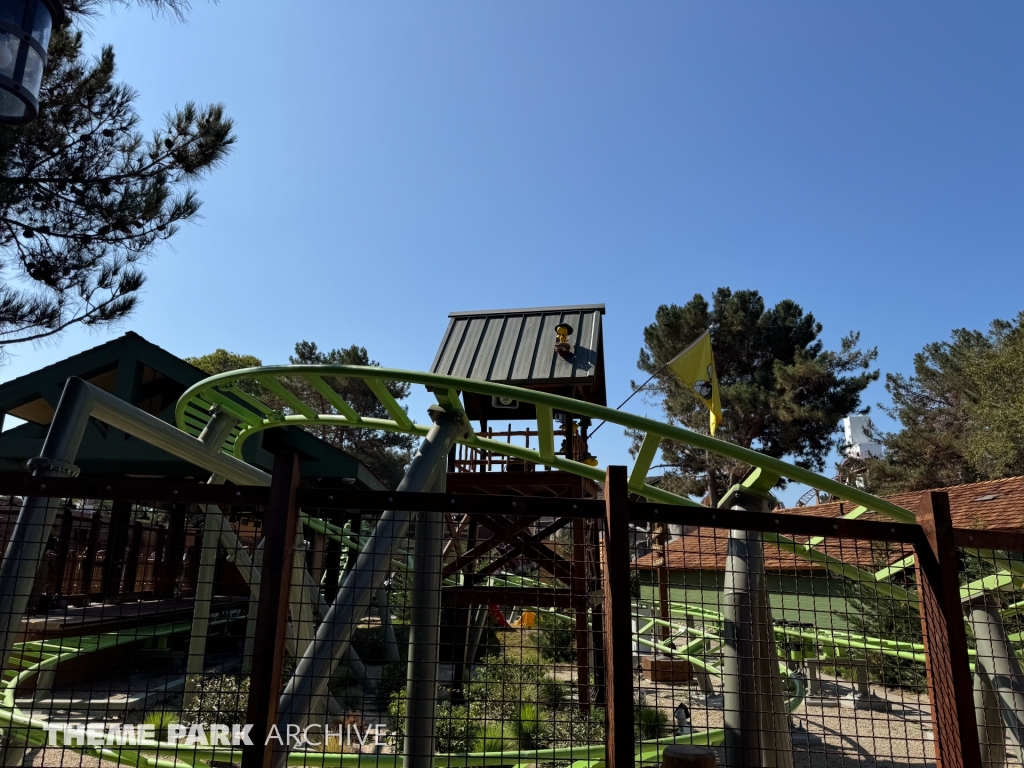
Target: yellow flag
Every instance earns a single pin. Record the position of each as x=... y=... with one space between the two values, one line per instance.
x=695 y=366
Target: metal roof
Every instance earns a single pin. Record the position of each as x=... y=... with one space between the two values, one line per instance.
x=516 y=346
x=152 y=379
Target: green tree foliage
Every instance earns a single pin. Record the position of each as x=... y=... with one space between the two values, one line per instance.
x=961 y=413
x=782 y=392
x=222 y=361
x=85 y=197
x=386 y=454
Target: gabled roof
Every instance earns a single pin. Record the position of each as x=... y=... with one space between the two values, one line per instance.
x=516 y=346
x=151 y=379
x=992 y=505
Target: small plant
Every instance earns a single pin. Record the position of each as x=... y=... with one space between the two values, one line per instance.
x=392 y=680
x=160 y=721
x=219 y=699
x=493 y=739
x=454 y=730
x=529 y=728
x=555 y=638
x=552 y=692
x=651 y=722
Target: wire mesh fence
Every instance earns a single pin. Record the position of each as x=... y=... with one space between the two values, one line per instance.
x=486 y=631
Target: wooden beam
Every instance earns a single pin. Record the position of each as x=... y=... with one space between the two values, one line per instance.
x=945 y=638
x=617 y=627
x=279 y=526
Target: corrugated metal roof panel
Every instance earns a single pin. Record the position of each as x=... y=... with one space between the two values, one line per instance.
x=517 y=345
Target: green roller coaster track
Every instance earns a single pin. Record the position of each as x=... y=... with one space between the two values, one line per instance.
x=193 y=412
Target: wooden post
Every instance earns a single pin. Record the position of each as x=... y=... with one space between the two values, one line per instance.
x=332 y=569
x=581 y=608
x=131 y=565
x=945 y=638
x=617 y=622
x=156 y=574
x=665 y=609
x=685 y=756
x=117 y=541
x=175 y=551
x=279 y=526
x=60 y=565
x=89 y=563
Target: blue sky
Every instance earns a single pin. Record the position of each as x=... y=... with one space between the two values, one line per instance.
x=397 y=161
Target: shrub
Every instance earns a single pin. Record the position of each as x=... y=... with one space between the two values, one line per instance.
x=496 y=737
x=529 y=728
x=503 y=683
x=651 y=722
x=555 y=638
x=160 y=721
x=552 y=692
x=454 y=729
x=219 y=699
x=572 y=726
x=392 y=680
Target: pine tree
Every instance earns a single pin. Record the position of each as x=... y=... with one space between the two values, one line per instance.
x=386 y=454
x=961 y=413
x=782 y=392
x=85 y=197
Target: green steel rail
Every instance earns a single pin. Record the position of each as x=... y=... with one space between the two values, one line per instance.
x=193 y=412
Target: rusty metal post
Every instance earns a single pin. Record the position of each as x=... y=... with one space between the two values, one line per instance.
x=581 y=608
x=945 y=638
x=131 y=566
x=618 y=640
x=117 y=542
x=280 y=520
x=60 y=565
x=89 y=563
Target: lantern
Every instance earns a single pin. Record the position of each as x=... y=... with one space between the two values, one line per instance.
x=25 y=27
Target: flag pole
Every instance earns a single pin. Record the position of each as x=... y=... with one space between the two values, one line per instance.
x=650 y=378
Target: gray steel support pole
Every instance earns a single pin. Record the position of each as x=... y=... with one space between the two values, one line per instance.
x=998 y=661
x=757 y=728
x=775 y=732
x=740 y=693
x=201 y=611
x=373 y=565
x=212 y=437
x=35 y=520
x=254 y=599
x=424 y=638
x=991 y=737
x=384 y=611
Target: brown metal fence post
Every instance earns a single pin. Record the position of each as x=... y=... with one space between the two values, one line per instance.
x=945 y=638
x=117 y=543
x=279 y=526
x=617 y=622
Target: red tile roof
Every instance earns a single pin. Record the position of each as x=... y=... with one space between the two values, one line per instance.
x=992 y=505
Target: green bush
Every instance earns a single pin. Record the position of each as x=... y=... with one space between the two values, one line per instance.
x=552 y=692
x=502 y=683
x=160 y=721
x=218 y=699
x=651 y=722
x=495 y=737
x=454 y=729
x=529 y=728
x=392 y=680
x=573 y=726
x=555 y=638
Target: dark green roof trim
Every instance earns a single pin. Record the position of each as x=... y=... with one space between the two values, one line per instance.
x=106 y=451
